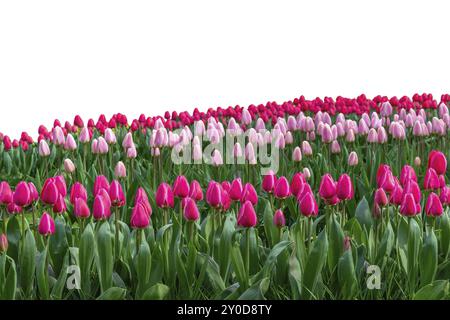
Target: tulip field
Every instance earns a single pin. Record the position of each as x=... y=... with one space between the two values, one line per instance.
x=305 y=200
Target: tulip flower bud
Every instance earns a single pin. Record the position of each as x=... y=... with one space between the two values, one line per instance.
x=344 y=188
x=268 y=183
x=433 y=207
x=70 y=143
x=278 y=219
x=78 y=191
x=350 y=136
x=6 y=195
x=353 y=159
x=101 y=182
x=195 y=191
x=21 y=196
x=308 y=205
x=247 y=216
x=60 y=205
x=46 y=225
x=306 y=148
x=3 y=243
x=164 y=196
x=110 y=137
x=140 y=219
x=431 y=180
x=181 y=187
x=214 y=194
x=335 y=147
x=437 y=161
x=381 y=197
x=372 y=137
x=128 y=141
x=306 y=173
x=44 y=149
x=132 y=153
x=190 y=210
x=84 y=137
x=49 y=193
x=282 y=189
x=216 y=158
x=116 y=194
x=81 y=209
x=102 y=146
x=297 y=154
x=236 y=188
x=327 y=188
x=69 y=166
x=417 y=161
x=101 y=208
x=94 y=146
x=249 y=194
x=409 y=207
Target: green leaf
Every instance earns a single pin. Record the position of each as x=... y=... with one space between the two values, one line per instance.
x=445 y=234
x=257 y=291
x=363 y=214
x=86 y=255
x=386 y=244
x=346 y=276
x=336 y=247
x=113 y=293
x=295 y=277
x=58 y=244
x=158 y=291
x=105 y=256
x=437 y=290
x=314 y=265
x=10 y=284
x=429 y=259
x=238 y=265
x=13 y=234
x=414 y=241
x=27 y=263
x=42 y=275
x=143 y=262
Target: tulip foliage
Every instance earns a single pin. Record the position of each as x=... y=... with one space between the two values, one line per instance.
x=356 y=206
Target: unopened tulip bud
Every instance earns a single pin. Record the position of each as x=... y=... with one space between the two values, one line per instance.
x=297 y=154
x=417 y=162
x=46 y=225
x=131 y=153
x=84 y=135
x=120 y=171
x=69 y=166
x=70 y=143
x=335 y=147
x=306 y=173
x=44 y=150
x=278 y=219
x=306 y=149
x=353 y=159
x=110 y=137
x=3 y=243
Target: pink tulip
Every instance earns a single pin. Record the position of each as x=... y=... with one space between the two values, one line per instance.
x=278 y=219
x=142 y=198
x=396 y=196
x=102 y=146
x=437 y=161
x=60 y=205
x=120 y=171
x=247 y=216
x=190 y=210
x=84 y=135
x=282 y=189
x=69 y=166
x=344 y=188
x=110 y=137
x=308 y=205
x=44 y=149
x=46 y=225
x=21 y=196
x=413 y=188
x=195 y=191
x=49 y=193
x=116 y=194
x=407 y=174
x=409 y=207
x=381 y=198
x=34 y=194
x=431 y=180
x=3 y=243
x=327 y=188
x=77 y=191
x=306 y=149
x=127 y=141
x=433 y=207
x=236 y=188
x=297 y=182
x=249 y=194
x=81 y=209
x=164 y=196
x=297 y=154
x=6 y=195
x=101 y=182
x=101 y=208
x=140 y=219
x=353 y=159
x=268 y=183
x=181 y=187
x=70 y=143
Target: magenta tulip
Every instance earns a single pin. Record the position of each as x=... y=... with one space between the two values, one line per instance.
x=60 y=205
x=101 y=208
x=21 y=196
x=437 y=161
x=344 y=188
x=433 y=207
x=380 y=197
x=236 y=188
x=282 y=189
x=78 y=191
x=49 y=193
x=268 y=182
x=6 y=195
x=181 y=187
x=195 y=191
x=46 y=225
x=249 y=193
x=409 y=207
x=214 y=194
x=247 y=216
x=190 y=210
x=327 y=188
x=140 y=219
x=308 y=205
x=431 y=180
x=278 y=219
x=116 y=194
x=101 y=182
x=81 y=209
x=3 y=243
x=164 y=196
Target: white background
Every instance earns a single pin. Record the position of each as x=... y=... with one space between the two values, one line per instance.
x=59 y=58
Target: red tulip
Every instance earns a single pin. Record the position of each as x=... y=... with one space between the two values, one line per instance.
x=247 y=216
x=297 y=182
x=21 y=196
x=308 y=205
x=49 y=193
x=116 y=194
x=396 y=195
x=249 y=193
x=46 y=225
x=78 y=191
x=268 y=182
x=431 y=180
x=344 y=188
x=381 y=198
x=101 y=182
x=437 y=161
x=81 y=209
x=181 y=187
x=190 y=210
x=195 y=191
x=433 y=207
x=327 y=188
x=140 y=219
x=214 y=194
x=6 y=195
x=164 y=196
x=102 y=208
x=236 y=188
x=409 y=206
x=282 y=189
x=278 y=219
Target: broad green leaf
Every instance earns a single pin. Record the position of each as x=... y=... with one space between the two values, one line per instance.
x=428 y=259
x=105 y=256
x=363 y=214
x=257 y=291
x=27 y=264
x=314 y=265
x=113 y=293
x=437 y=290
x=158 y=291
